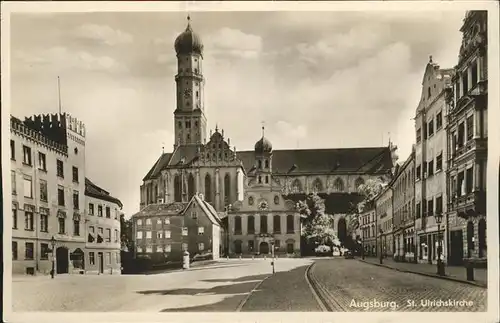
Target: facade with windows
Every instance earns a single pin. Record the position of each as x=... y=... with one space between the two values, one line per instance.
x=211 y=166
x=467 y=102
x=368 y=228
x=102 y=231
x=47 y=189
x=383 y=210
x=403 y=186
x=162 y=232
x=264 y=219
x=430 y=162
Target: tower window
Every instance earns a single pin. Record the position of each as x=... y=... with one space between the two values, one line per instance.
x=195 y=71
x=196 y=123
x=196 y=93
x=188 y=124
x=260 y=180
x=260 y=164
x=188 y=136
x=267 y=163
x=180 y=124
x=267 y=179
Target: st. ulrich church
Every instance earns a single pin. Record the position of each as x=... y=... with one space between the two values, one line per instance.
x=254 y=192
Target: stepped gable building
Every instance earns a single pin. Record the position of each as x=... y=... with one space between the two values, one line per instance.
x=103 y=243
x=430 y=157
x=467 y=102
x=225 y=176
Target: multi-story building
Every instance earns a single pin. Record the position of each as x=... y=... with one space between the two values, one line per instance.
x=103 y=243
x=48 y=185
x=264 y=218
x=367 y=225
x=383 y=209
x=430 y=157
x=468 y=140
x=163 y=232
x=210 y=165
x=403 y=187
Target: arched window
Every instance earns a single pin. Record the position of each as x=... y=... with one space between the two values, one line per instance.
x=237 y=247
x=191 y=188
x=267 y=163
x=290 y=225
x=277 y=223
x=227 y=189
x=177 y=189
x=251 y=224
x=260 y=164
x=208 y=188
x=237 y=224
x=359 y=182
x=338 y=185
x=296 y=186
x=317 y=185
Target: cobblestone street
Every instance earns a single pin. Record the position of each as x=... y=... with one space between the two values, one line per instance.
x=218 y=287
x=344 y=282
x=248 y=285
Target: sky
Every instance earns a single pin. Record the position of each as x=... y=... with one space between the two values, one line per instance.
x=316 y=79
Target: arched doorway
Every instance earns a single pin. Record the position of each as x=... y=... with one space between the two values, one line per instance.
x=264 y=248
x=481 y=232
x=470 y=238
x=342 y=230
x=62 y=260
x=77 y=258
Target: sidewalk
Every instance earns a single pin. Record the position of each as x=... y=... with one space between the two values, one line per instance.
x=455 y=273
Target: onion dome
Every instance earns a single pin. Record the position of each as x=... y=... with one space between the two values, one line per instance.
x=263 y=145
x=188 y=42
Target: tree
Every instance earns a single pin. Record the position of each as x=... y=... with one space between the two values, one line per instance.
x=126 y=235
x=317 y=226
x=369 y=190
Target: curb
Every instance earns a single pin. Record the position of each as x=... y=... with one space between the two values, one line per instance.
x=245 y=300
x=481 y=285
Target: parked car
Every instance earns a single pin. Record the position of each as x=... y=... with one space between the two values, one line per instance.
x=323 y=250
x=348 y=254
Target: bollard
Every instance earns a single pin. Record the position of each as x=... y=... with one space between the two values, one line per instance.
x=253 y=257
x=240 y=257
x=470 y=271
x=185 y=260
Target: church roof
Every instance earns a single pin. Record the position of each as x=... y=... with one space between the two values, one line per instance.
x=366 y=160
x=373 y=160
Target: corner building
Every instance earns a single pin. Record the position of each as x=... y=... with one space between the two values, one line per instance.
x=467 y=101
x=229 y=179
x=103 y=243
x=49 y=196
x=48 y=186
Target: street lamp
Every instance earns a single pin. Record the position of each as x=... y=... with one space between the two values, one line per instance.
x=440 y=264
x=53 y=244
x=272 y=254
x=381 y=249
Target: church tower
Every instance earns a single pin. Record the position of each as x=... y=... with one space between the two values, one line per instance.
x=263 y=160
x=189 y=115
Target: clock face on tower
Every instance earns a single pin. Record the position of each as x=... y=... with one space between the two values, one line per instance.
x=187 y=93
